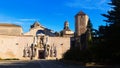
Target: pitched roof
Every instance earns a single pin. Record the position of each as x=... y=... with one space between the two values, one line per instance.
x=36 y=24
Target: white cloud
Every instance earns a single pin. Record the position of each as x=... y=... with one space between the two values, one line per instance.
x=88 y=4
x=12 y=22
x=7 y=19
x=27 y=19
x=17 y=22
x=24 y=22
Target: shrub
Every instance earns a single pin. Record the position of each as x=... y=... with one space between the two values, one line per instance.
x=11 y=59
x=78 y=55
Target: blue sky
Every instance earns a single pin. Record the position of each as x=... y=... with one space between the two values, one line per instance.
x=51 y=13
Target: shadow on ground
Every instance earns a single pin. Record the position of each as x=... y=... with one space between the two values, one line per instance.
x=50 y=64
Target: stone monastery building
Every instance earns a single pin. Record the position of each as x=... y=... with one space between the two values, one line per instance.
x=39 y=42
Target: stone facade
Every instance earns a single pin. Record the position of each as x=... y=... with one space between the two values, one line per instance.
x=61 y=44
x=38 y=43
x=51 y=47
x=13 y=46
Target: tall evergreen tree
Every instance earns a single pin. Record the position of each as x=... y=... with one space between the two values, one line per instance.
x=89 y=33
x=112 y=31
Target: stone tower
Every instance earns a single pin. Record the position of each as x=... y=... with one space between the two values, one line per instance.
x=81 y=22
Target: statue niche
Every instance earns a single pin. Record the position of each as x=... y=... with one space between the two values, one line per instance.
x=26 y=51
x=41 y=41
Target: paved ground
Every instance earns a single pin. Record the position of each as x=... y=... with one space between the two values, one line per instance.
x=37 y=64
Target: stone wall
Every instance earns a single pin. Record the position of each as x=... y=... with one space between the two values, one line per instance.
x=62 y=45
x=13 y=46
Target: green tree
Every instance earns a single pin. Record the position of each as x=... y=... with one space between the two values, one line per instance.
x=89 y=34
x=112 y=32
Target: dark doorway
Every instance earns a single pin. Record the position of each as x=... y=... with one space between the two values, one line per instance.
x=41 y=54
